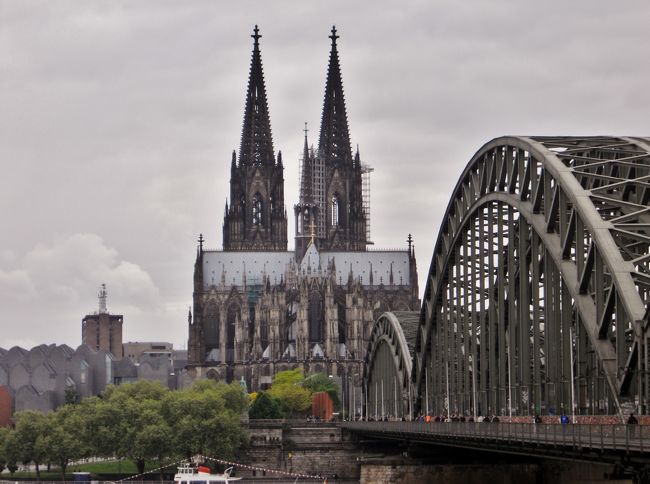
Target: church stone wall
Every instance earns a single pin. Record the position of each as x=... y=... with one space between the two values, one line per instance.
x=300 y=447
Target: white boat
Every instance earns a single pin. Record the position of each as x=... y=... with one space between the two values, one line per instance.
x=202 y=475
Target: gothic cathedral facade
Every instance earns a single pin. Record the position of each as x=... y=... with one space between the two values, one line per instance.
x=259 y=308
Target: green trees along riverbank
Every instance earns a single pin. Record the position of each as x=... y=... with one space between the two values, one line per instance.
x=140 y=421
x=290 y=395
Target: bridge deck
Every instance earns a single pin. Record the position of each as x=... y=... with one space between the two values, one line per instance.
x=573 y=441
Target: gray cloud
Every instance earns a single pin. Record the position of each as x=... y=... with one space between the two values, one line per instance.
x=117 y=120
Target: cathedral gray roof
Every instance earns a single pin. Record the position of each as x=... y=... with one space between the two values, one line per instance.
x=373 y=268
x=230 y=268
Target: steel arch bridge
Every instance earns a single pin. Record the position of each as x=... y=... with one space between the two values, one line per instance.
x=387 y=366
x=537 y=291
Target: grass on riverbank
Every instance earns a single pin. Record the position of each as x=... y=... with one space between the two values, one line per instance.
x=116 y=467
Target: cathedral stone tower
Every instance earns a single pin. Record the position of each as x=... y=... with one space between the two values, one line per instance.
x=256 y=218
x=334 y=201
x=259 y=308
x=307 y=210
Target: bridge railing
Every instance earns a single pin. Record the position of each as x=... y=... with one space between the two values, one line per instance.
x=592 y=436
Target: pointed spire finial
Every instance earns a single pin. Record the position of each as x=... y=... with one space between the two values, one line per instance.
x=256 y=36
x=306 y=148
x=201 y=240
x=306 y=192
x=334 y=139
x=410 y=241
x=334 y=36
x=256 y=140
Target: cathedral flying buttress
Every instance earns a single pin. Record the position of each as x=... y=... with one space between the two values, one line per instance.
x=259 y=308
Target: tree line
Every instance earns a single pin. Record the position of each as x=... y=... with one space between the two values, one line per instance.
x=290 y=395
x=145 y=421
x=140 y=421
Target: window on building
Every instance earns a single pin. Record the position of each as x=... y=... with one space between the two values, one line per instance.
x=315 y=317
x=335 y=211
x=211 y=327
x=83 y=374
x=109 y=369
x=257 y=209
x=233 y=316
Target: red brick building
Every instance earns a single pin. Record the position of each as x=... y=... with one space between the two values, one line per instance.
x=102 y=330
x=6 y=406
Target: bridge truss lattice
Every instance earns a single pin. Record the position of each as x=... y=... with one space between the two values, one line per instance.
x=537 y=292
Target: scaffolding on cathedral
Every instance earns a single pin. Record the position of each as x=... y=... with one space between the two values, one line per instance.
x=366 y=170
x=317 y=190
x=254 y=288
x=318 y=176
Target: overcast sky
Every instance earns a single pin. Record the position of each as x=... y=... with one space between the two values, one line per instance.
x=118 y=119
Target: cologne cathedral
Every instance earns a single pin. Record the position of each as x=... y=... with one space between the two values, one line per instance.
x=259 y=308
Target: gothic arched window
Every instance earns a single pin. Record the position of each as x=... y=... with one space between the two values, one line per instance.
x=231 y=325
x=257 y=209
x=335 y=211
x=211 y=327
x=315 y=317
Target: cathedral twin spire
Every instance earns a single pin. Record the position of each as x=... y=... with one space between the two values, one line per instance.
x=256 y=139
x=334 y=140
x=256 y=218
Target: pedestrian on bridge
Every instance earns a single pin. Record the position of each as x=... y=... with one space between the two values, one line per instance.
x=632 y=422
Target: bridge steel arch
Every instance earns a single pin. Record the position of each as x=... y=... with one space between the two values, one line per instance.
x=387 y=386
x=536 y=297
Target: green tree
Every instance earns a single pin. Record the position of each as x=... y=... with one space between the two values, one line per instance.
x=148 y=436
x=294 y=399
x=10 y=451
x=141 y=421
x=288 y=377
x=287 y=389
x=142 y=390
x=71 y=395
x=265 y=407
x=153 y=442
x=4 y=434
x=103 y=425
x=233 y=395
x=30 y=425
x=63 y=439
x=206 y=419
x=135 y=410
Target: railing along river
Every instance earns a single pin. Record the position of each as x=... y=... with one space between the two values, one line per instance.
x=629 y=438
